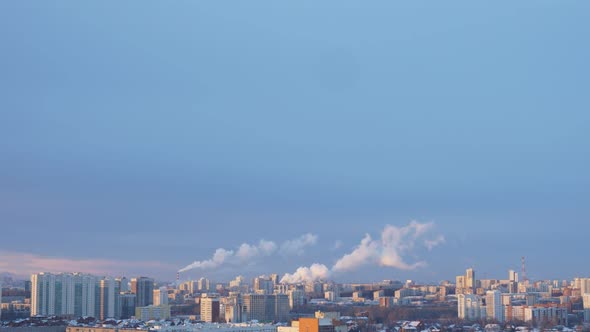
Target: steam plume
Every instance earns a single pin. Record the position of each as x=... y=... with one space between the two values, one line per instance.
x=389 y=250
x=247 y=253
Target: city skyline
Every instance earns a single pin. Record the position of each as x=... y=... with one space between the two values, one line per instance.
x=287 y=278
x=137 y=138
x=515 y=299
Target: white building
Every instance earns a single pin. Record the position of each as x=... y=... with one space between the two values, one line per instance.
x=494 y=307
x=405 y=292
x=583 y=284
x=237 y=282
x=297 y=298
x=470 y=307
x=553 y=315
x=161 y=296
x=330 y=296
x=109 y=298
x=55 y=294
x=233 y=309
x=203 y=285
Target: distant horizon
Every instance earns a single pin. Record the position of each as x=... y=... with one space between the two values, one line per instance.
x=17 y=277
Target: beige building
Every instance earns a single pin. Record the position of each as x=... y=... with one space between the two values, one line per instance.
x=161 y=296
x=210 y=309
x=265 y=308
x=152 y=312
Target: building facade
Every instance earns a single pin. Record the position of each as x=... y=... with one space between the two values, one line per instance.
x=143 y=288
x=494 y=307
x=210 y=309
x=266 y=308
x=64 y=294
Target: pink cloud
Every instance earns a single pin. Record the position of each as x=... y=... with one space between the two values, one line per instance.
x=24 y=264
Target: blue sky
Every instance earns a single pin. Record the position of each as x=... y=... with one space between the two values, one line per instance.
x=158 y=132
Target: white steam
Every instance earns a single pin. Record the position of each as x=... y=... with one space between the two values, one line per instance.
x=247 y=253
x=394 y=244
x=305 y=274
x=219 y=257
x=430 y=244
x=297 y=246
x=364 y=253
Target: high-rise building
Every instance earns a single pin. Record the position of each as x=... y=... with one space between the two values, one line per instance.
x=161 y=296
x=65 y=294
x=210 y=309
x=109 y=299
x=233 y=308
x=513 y=313
x=470 y=307
x=584 y=285
x=586 y=305
x=470 y=281
x=460 y=285
x=552 y=315
x=127 y=300
x=494 y=307
x=27 y=289
x=266 y=308
x=203 y=285
x=254 y=305
x=512 y=276
x=190 y=286
x=237 y=283
x=282 y=307
x=123 y=284
x=263 y=285
x=275 y=278
x=143 y=288
x=297 y=298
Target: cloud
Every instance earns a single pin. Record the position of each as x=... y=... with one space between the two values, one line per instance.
x=363 y=254
x=23 y=264
x=297 y=246
x=267 y=247
x=219 y=257
x=389 y=250
x=249 y=253
x=396 y=241
x=430 y=244
x=307 y=274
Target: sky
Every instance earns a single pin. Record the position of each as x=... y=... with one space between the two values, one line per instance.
x=139 y=137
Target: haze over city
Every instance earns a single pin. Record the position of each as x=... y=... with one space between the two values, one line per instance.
x=390 y=140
